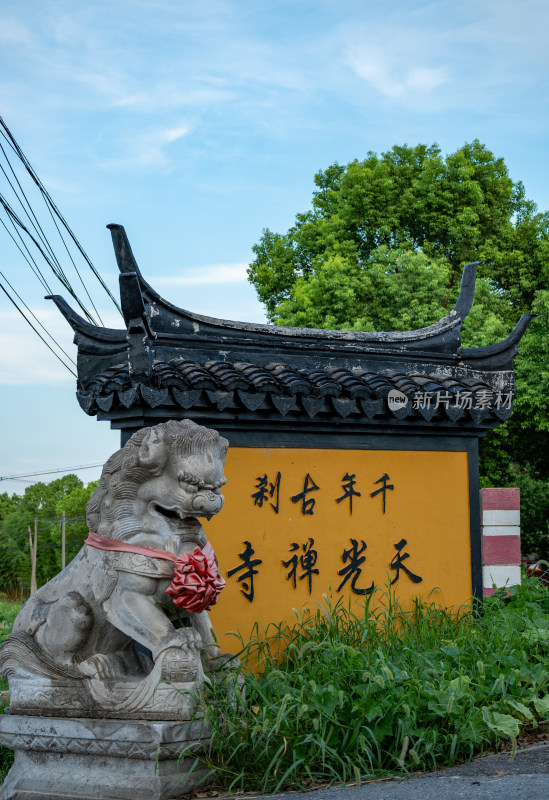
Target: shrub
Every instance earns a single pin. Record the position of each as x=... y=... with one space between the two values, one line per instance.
x=345 y=698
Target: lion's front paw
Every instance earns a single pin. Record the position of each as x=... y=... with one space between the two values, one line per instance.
x=98 y=666
x=180 y=666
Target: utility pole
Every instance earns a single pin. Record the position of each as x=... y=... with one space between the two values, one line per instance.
x=63 y=540
x=33 y=549
x=31 y=558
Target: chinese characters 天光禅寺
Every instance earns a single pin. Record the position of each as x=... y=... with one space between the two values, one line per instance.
x=302 y=565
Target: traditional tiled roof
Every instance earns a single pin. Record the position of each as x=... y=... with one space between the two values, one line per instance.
x=169 y=362
x=279 y=389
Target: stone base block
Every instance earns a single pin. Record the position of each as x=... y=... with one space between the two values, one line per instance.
x=100 y=759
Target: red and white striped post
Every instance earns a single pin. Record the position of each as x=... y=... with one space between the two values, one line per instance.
x=500 y=510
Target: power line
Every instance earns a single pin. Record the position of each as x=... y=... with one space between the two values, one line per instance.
x=48 y=472
x=30 y=216
x=36 y=319
x=57 y=270
x=10 y=298
x=53 y=210
x=28 y=225
x=22 y=480
x=39 y=230
x=29 y=257
x=46 y=524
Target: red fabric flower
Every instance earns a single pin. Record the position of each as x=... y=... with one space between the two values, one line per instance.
x=196 y=582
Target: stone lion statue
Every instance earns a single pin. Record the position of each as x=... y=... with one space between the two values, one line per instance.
x=116 y=634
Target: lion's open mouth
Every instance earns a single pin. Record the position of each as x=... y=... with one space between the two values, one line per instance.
x=169 y=513
x=175 y=517
x=185 y=527
x=204 y=504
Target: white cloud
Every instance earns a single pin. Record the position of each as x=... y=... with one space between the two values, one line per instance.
x=165 y=96
x=173 y=134
x=149 y=59
x=424 y=79
x=207 y=275
x=394 y=70
x=431 y=57
x=149 y=149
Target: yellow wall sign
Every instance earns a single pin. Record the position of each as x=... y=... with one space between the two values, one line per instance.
x=298 y=523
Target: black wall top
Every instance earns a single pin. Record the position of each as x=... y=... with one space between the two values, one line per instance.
x=170 y=363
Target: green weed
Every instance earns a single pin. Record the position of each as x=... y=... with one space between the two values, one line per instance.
x=340 y=697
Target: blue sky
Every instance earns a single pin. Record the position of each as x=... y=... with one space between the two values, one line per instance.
x=198 y=124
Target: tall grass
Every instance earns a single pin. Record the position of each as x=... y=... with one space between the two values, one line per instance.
x=340 y=697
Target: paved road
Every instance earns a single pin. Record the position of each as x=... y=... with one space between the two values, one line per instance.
x=494 y=777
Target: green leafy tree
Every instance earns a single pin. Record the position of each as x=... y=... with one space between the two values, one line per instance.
x=451 y=210
x=44 y=502
x=76 y=529
x=7 y=506
x=11 y=551
x=383 y=247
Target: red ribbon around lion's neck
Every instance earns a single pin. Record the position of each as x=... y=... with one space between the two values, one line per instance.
x=196 y=583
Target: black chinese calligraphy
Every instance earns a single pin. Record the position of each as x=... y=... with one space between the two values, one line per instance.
x=307 y=560
x=266 y=489
x=248 y=568
x=385 y=487
x=353 y=569
x=347 y=484
x=307 y=504
x=396 y=563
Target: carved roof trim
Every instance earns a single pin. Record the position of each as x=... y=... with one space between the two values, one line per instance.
x=171 y=362
x=143 y=307
x=507 y=347
x=442 y=333
x=80 y=325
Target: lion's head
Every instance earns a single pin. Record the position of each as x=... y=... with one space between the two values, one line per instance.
x=160 y=481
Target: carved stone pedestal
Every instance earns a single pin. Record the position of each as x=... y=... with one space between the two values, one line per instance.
x=99 y=759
